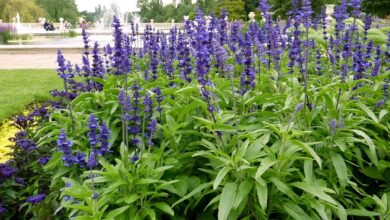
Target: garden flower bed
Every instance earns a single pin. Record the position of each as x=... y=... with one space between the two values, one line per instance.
x=213 y=122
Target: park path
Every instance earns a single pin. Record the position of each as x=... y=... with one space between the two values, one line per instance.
x=40 y=60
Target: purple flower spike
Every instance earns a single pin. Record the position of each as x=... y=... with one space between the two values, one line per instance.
x=93 y=126
x=36 y=199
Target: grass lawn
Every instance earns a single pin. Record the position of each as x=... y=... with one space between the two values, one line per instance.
x=18 y=88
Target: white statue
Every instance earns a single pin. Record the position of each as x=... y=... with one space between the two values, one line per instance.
x=329 y=12
x=252 y=16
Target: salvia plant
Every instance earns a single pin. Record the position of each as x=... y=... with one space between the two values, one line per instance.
x=215 y=120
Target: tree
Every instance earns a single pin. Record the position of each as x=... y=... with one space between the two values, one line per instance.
x=94 y=16
x=250 y=6
x=235 y=8
x=208 y=6
x=56 y=9
x=27 y=9
x=380 y=8
x=151 y=9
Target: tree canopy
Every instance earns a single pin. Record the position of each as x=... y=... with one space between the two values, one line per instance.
x=235 y=8
x=28 y=10
x=56 y=9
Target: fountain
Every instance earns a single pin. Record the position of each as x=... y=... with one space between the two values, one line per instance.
x=115 y=10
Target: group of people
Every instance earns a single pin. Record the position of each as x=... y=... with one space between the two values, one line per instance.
x=48 y=26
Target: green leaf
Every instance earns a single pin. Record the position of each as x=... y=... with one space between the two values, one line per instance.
x=54 y=161
x=373 y=156
x=296 y=212
x=262 y=195
x=131 y=198
x=165 y=208
x=309 y=150
x=227 y=199
x=341 y=168
x=83 y=208
x=308 y=170
x=242 y=193
x=265 y=165
x=193 y=192
x=151 y=213
x=368 y=112
x=82 y=218
x=361 y=212
x=315 y=191
x=221 y=174
x=284 y=188
x=116 y=212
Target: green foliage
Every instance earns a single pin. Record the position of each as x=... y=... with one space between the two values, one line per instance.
x=5 y=36
x=380 y=8
x=56 y=9
x=28 y=10
x=94 y=16
x=236 y=9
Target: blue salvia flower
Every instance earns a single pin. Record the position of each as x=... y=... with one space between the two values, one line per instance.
x=134 y=118
x=159 y=99
x=236 y=41
x=222 y=27
x=134 y=158
x=127 y=52
x=124 y=101
x=324 y=24
x=84 y=35
x=295 y=49
x=264 y=7
x=201 y=45
x=79 y=158
x=6 y=171
x=221 y=56
x=306 y=13
x=154 y=61
x=43 y=160
x=118 y=46
x=369 y=50
x=104 y=139
x=340 y=14
x=367 y=26
x=359 y=65
x=36 y=199
x=108 y=56
x=21 y=181
x=86 y=67
x=172 y=42
x=183 y=55
x=65 y=146
x=3 y=210
x=92 y=160
x=148 y=106
x=299 y=107
x=333 y=126
x=98 y=69
x=61 y=70
x=26 y=144
x=346 y=47
x=152 y=127
x=355 y=4
x=248 y=76
x=93 y=126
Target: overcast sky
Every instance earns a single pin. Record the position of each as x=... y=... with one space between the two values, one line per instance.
x=125 y=5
